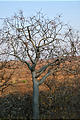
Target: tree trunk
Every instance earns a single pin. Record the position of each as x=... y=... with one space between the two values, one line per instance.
x=35 y=97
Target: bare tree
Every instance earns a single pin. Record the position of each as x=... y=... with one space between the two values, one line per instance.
x=73 y=39
x=34 y=40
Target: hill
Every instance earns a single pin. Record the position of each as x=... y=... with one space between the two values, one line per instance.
x=59 y=95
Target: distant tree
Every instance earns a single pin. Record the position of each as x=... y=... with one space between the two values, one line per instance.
x=73 y=39
x=5 y=76
x=33 y=41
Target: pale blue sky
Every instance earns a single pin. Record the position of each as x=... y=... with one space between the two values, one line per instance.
x=70 y=10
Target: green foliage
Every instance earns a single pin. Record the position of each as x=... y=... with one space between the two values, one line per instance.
x=24 y=81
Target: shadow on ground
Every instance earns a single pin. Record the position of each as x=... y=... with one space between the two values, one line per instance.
x=64 y=103
x=15 y=106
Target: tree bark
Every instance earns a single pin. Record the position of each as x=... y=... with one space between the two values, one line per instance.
x=35 y=97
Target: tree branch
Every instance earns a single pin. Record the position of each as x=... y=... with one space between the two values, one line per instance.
x=44 y=78
x=26 y=44
x=29 y=36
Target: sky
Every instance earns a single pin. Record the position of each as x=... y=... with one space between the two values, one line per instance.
x=70 y=10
